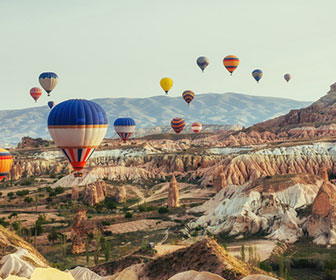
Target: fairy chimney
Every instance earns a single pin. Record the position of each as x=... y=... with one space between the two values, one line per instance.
x=221 y=182
x=173 y=194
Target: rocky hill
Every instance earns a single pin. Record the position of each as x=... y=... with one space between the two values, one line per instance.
x=157 y=111
x=205 y=255
x=321 y=112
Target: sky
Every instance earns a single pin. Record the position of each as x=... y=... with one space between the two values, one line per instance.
x=113 y=48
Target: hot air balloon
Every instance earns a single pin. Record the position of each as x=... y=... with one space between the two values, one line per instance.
x=257 y=74
x=124 y=127
x=166 y=84
x=48 y=80
x=51 y=104
x=231 y=62
x=177 y=124
x=188 y=96
x=77 y=127
x=36 y=93
x=202 y=62
x=287 y=77
x=196 y=127
x=6 y=161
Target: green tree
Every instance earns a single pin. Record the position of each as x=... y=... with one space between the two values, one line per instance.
x=107 y=251
x=28 y=199
x=281 y=266
x=53 y=236
x=87 y=251
x=242 y=253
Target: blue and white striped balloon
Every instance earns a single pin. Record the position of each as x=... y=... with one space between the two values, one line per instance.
x=77 y=127
x=124 y=127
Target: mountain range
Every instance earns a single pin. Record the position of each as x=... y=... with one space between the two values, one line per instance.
x=212 y=108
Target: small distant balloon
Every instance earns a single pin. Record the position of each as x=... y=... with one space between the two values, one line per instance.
x=48 y=80
x=124 y=127
x=177 y=124
x=51 y=104
x=36 y=93
x=287 y=77
x=196 y=127
x=188 y=96
x=202 y=62
x=257 y=75
x=231 y=63
x=166 y=84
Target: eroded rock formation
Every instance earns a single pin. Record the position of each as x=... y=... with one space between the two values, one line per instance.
x=95 y=193
x=120 y=194
x=322 y=223
x=79 y=232
x=173 y=194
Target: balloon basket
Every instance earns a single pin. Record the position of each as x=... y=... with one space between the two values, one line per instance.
x=78 y=174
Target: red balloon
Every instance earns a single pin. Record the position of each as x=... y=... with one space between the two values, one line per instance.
x=36 y=92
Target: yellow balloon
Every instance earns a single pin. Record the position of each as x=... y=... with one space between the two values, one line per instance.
x=166 y=84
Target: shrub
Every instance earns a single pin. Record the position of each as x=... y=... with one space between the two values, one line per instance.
x=59 y=190
x=28 y=199
x=128 y=215
x=10 y=194
x=106 y=223
x=163 y=210
x=22 y=193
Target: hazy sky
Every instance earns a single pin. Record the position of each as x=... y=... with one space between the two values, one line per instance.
x=122 y=48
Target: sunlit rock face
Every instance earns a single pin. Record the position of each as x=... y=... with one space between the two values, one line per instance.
x=268 y=205
x=322 y=222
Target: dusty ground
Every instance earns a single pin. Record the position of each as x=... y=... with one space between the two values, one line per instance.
x=133 y=226
x=166 y=249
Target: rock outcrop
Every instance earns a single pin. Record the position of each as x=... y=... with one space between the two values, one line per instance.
x=173 y=194
x=322 y=223
x=120 y=194
x=95 y=193
x=74 y=193
x=195 y=275
x=79 y=232
x=28 y=142
x=271 y=205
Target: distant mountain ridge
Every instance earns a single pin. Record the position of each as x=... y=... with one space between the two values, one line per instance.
x=212 y=108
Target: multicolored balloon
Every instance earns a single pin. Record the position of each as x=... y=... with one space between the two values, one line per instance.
x=36 y=93
x=231 y=63
x=166 y=84
x=188 y=96
x=48 y=80
x=177 y=124
x=51 y=104
x=287 y=77
x=77 y=127
x=124 y=127
x=257 y=75
x=202 y=62
x=6 y=161
x=196 y=127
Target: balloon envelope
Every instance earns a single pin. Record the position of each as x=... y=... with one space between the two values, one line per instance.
x=124 y=127
x=6 y=161
x=196 y=127
x=257 y=75
x=166 y=84
x=51 y=104
x=202 y=62
x=231 y=63
x=48 y=80
x=287 y=77
x=77 y=128
x=188 y=96
x=36 y=93
x=177 y=124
